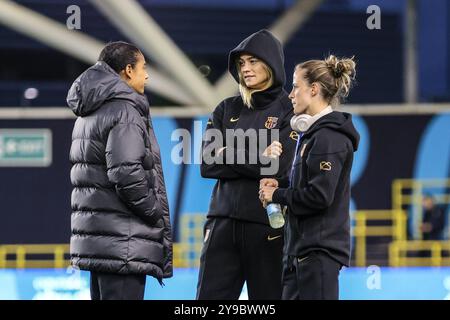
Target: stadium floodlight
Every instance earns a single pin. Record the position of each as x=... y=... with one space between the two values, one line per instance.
x=31 y=93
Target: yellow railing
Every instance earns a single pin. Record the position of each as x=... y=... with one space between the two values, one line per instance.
x=399 y=199
x=19 y=256
x=408 y=193
x=361 y=230
x=186 y=254
x=187 y=251
x=398 y=253
x=24 y=256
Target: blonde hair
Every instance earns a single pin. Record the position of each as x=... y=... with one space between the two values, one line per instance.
x=246 y=92
x=334 y=75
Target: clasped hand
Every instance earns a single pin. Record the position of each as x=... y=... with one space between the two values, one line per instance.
x=267 y=187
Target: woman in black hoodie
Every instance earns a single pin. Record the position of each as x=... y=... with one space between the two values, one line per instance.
x=239 y=245
x=317 y=233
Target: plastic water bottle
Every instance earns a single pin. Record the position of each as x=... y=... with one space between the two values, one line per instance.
x=275 y=214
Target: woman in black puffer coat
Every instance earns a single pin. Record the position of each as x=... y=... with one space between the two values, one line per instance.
x=120 y=217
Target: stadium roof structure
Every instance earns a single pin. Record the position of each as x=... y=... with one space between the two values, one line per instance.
x=174 y=76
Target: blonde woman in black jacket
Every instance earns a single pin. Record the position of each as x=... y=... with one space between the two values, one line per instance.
x=239 y=245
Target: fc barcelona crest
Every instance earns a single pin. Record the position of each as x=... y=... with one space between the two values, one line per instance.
x=271 y=122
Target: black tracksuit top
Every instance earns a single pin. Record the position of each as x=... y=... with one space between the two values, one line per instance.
x=235 y=195
x=319 y=194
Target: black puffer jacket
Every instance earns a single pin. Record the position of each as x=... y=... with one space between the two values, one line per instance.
x=120 y=214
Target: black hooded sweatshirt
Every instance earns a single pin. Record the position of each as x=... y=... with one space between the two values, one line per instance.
x=235 y=194
x=319 y=193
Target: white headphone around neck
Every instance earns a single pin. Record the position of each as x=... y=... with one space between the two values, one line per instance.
x=302 y=122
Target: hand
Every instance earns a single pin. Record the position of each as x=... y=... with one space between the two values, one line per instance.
x=266 y=193
x=274 y=150
x=268 y=182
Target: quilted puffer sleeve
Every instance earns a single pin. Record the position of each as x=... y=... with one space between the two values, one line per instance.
x=125 y=153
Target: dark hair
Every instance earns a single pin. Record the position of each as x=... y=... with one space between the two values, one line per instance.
x=119 y=54
x=333 y=74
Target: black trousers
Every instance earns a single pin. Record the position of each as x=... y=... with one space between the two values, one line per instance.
x=108 y=286
x=312 y=277
x=236 y=251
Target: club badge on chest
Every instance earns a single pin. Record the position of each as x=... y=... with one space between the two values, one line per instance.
x=271 y=122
